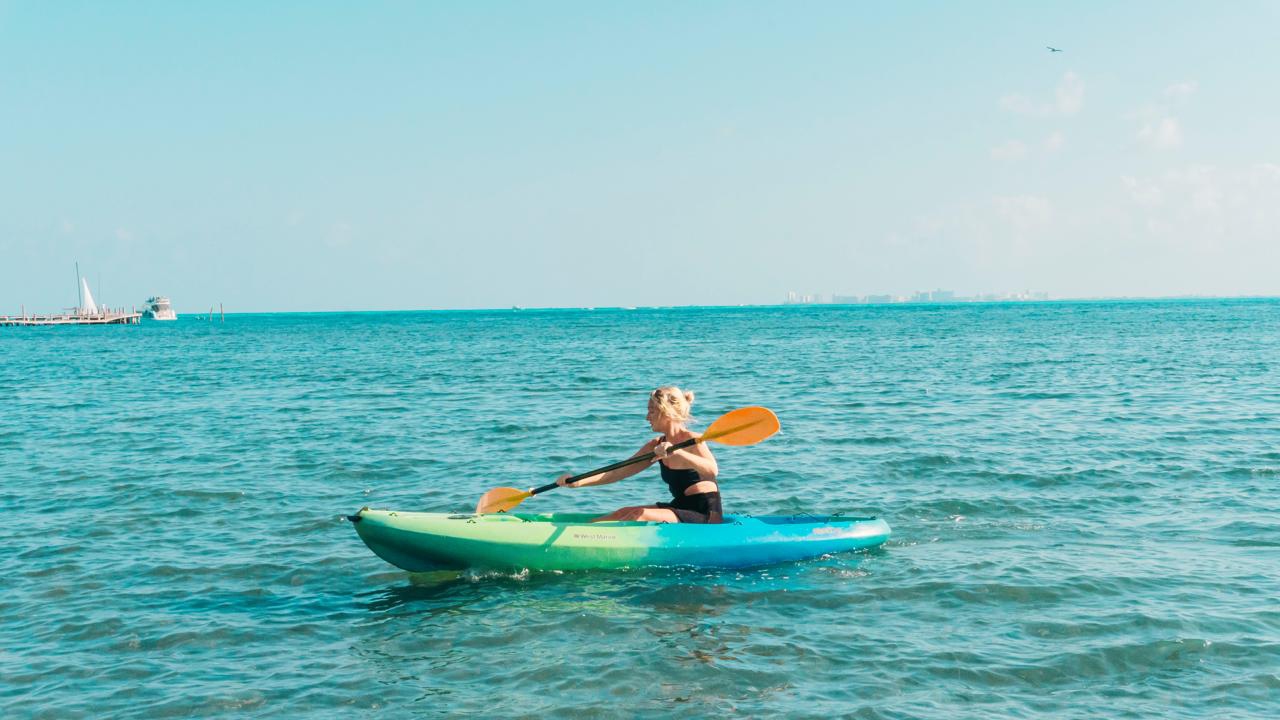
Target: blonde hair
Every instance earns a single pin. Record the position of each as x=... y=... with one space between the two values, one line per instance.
x=672 y=402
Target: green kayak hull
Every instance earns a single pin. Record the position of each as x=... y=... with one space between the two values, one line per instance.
x=420 y=542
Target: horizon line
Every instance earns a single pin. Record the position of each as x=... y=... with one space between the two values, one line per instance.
x=632 y=308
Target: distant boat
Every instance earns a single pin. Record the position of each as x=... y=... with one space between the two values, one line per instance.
x=158 y=308
x=87 y=312
x=88 y=307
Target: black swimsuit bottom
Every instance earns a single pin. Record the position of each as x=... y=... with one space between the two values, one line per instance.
x=700 y=508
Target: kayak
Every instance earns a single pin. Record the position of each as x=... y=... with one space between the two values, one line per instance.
x=419 y=541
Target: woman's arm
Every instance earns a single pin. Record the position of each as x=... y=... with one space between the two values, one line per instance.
x=614 y=476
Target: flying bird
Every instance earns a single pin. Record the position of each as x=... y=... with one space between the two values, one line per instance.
x=1052 y=49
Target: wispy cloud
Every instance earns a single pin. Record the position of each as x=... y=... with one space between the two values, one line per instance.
x=995 y=216
x=1143 y=192
x=1182 y=91
x=1158 y=128
x=1162 y=134
x=1015 y=150
x=1068 y=99
x=1009 y=151
x=1020 y=104
x=1023 y=212
x=1210 y=205
x=1070 y=94
x=340 y=235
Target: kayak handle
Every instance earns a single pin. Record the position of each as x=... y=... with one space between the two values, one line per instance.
x=629 y=461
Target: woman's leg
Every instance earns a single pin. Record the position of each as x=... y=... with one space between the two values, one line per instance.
x=646 y=513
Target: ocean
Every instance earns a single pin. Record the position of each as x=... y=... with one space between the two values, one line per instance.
x=1083 y=498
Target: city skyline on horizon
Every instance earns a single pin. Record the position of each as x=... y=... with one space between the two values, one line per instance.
x=790 y=297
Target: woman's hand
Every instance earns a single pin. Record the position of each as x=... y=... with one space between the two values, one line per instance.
x=662 y=450
x=561 y=481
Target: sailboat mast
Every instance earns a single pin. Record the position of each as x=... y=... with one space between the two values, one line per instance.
x=79 y=297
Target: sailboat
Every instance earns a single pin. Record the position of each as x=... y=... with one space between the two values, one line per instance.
x=87 y=306
x=87 y=312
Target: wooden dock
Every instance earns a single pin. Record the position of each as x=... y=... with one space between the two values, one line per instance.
x=105 y=316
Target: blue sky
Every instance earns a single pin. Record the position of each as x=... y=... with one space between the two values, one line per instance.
x=320 y=156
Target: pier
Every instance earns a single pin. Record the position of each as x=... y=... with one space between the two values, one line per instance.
x=87 y=313
x=103 y=316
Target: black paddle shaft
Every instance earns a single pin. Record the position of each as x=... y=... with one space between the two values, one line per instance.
x=630 y=461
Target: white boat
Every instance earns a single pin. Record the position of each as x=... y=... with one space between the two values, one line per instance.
x=87 y=312
x=88 y=307
x=158 y=308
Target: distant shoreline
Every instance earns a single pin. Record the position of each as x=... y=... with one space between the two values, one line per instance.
x=200 y=316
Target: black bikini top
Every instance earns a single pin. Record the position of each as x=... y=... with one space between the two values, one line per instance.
x=678 y=480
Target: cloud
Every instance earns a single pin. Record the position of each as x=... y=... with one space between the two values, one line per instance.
x=1210 y=206
x=124 y=234
x=1015 y=150
x=1181 y=92
x=1070 y=94
x=989 y=219
x=340 y=235
x=1023 y=212
x=1203 y=187
x=1159 y=129
x=994 y=239
x=1162 y=134
x=1143 y=192
x=1068 y=99
x=1020 y=105
x=1010 y=150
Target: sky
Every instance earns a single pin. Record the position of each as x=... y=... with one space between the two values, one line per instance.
x=296 y=156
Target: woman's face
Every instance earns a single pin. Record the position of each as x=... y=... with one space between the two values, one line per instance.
x=657 y=420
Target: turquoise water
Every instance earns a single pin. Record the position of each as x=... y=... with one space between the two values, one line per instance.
x=1083 y=497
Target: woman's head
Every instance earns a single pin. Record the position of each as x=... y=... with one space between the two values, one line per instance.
x=670 y=403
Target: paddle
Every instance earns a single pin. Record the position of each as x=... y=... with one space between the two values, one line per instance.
x=744 y=426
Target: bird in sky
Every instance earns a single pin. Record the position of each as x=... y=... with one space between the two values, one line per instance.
x=1052 y=49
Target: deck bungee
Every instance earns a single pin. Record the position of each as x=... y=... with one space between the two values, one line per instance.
x=418 y=541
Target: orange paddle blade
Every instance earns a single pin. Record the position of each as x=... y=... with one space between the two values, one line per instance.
x=744 y=426
x=501 y=500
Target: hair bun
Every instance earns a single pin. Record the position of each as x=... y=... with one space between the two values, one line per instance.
x=672 y=402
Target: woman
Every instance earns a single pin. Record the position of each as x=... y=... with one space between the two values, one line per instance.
x=690 y=472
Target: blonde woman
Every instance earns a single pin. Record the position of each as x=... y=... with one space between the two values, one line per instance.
x=690 y=473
